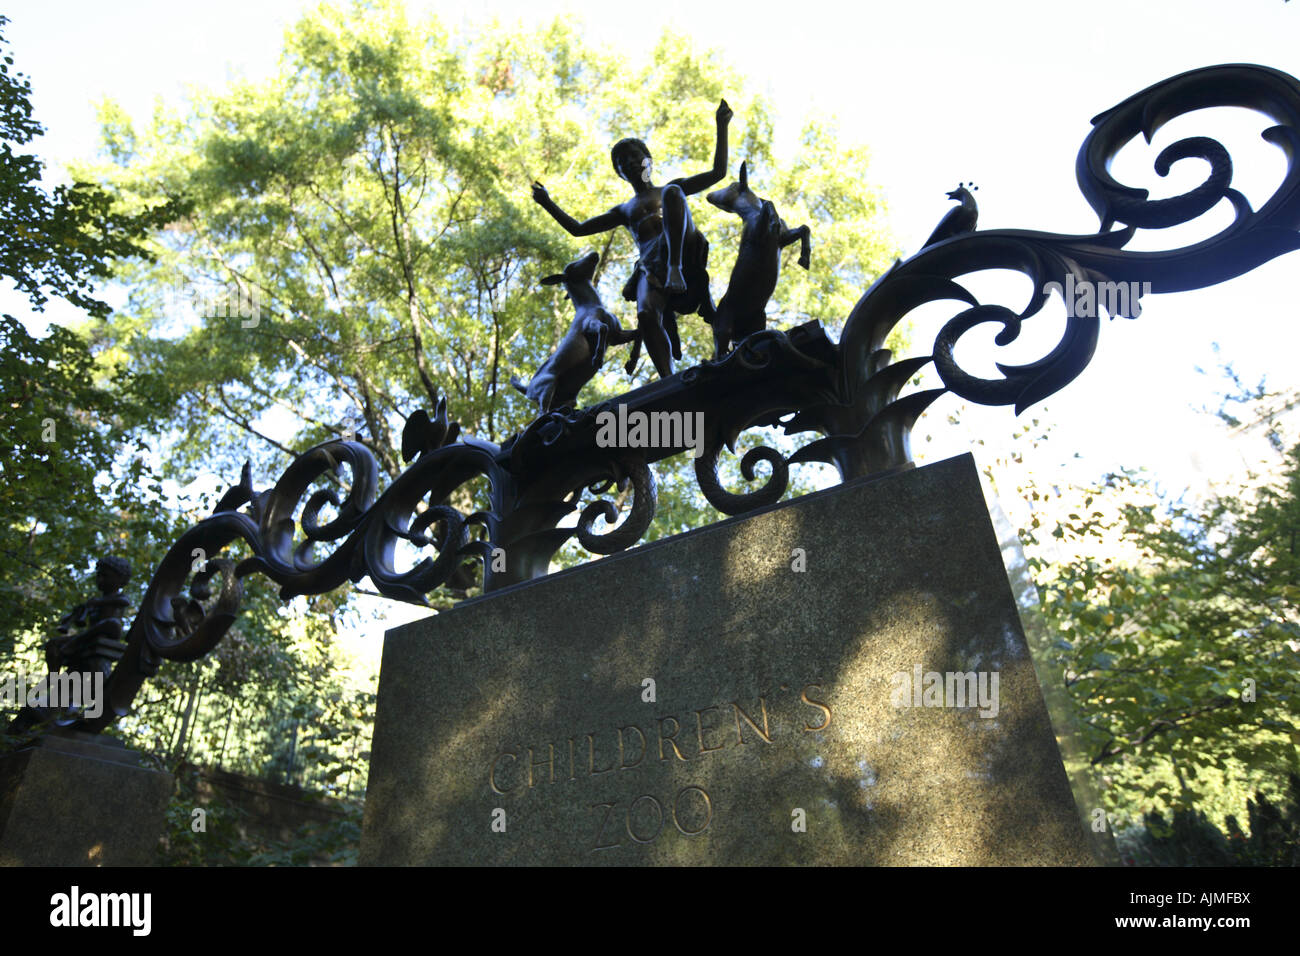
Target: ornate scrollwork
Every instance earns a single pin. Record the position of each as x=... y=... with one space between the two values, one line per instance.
x=850 y=392
x=1099 y=261
x=706 y=473
x=645 y=498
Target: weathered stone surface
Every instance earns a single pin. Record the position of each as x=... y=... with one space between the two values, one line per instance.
x=776 y=699
x=78 y=800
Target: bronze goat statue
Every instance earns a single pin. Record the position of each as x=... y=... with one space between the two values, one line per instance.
x=742 y=311
x=582 y=350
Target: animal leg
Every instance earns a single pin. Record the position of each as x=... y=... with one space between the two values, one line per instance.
x=547 y=396
x=706 y=309
x=721 y=335
x=803 y=234
x=630 y=365
x=596 y=334
x=617 y=334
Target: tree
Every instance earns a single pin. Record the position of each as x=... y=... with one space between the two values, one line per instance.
x=360 y=241
x=74 y=483
x=56 y=243
x=1177 y=630
x=68 y=489
x=371 y=205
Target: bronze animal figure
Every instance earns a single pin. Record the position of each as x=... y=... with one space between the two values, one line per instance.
x=957 y=221
x=582 y=350
x=742 y=311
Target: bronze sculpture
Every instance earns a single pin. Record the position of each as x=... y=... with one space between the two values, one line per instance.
x=671 y=277
x=88 y=644
x=959 y=221
x=849 y=392
x=90 y=635
x=742 y=311
x=582 y=350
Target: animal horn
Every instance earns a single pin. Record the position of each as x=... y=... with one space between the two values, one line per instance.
x=744 y=177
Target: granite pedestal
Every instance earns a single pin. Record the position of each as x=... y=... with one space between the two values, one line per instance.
x=73 y=799
x=839 y=679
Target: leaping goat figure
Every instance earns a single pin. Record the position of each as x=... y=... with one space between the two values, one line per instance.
x=742 y=311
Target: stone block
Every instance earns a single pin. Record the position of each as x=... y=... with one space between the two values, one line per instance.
x=79 y=800
x=794 y=719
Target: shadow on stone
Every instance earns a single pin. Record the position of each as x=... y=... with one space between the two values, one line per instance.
x=516 y=728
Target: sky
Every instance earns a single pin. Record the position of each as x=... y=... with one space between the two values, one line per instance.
x=1000 y=93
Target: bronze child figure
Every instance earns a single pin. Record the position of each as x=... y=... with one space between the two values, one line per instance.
x=90 y=635
x=670 y=277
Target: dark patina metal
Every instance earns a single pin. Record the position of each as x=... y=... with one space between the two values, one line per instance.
x=581 y=352
x=88 y=642
x=742 y=311
x=671 y=277
x=847 y=391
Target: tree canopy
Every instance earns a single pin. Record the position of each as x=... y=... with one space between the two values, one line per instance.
x=328 y=250
x=342 y=244
x=371 y=205
x=78 y=481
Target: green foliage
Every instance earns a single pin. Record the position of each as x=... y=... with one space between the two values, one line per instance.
x=1178 y=634
x=315 y=844
x=69 y=488
x=235 y=836
x=222 y=843
x=1272 y=837
x=57 y=244
x=372 y=204
x=71 y=485
x=273 y=700
x=77 y=481
x=375 y=198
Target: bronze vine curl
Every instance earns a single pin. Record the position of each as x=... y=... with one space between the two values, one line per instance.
x=850 y=392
